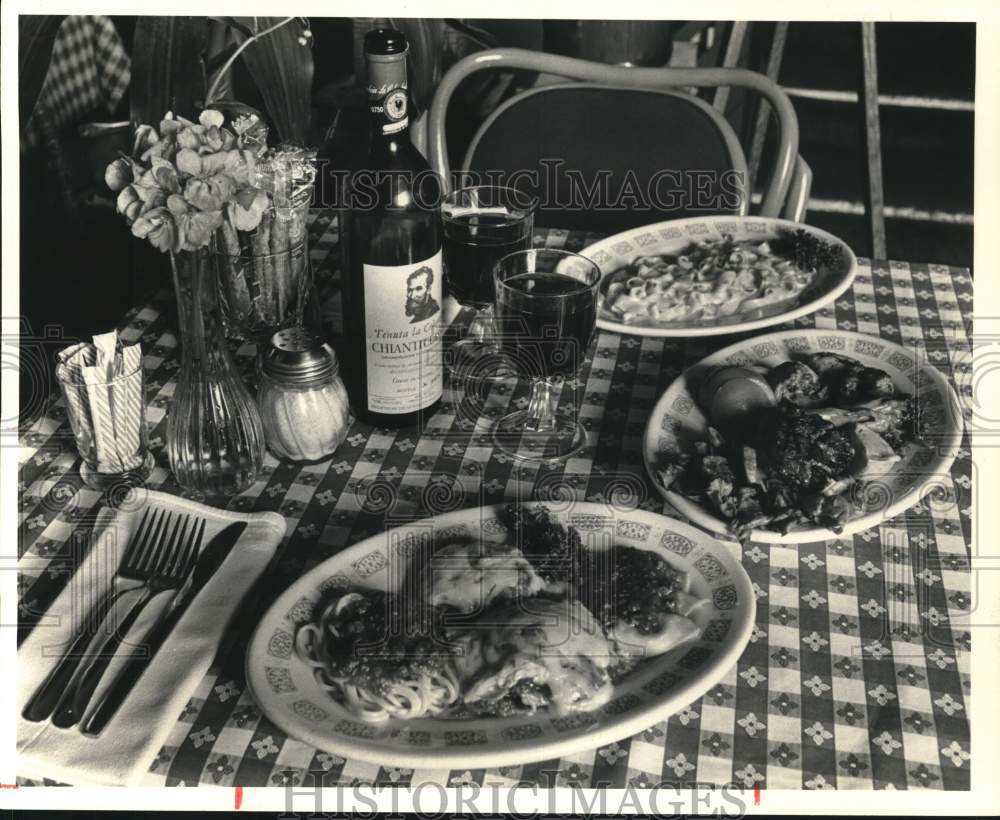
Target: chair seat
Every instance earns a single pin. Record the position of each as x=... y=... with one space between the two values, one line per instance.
x=607 y=158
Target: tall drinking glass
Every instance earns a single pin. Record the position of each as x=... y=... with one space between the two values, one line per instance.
x=547 y=315
x=482 y=224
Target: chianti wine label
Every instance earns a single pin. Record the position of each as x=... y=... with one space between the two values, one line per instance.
x=403 y=325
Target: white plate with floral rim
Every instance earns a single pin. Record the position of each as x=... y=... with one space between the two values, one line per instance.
x=672 y=237
x=676 y=420
x=287 y=692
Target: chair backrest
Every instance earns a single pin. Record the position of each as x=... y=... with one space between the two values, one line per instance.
x=609 y=158
x=510 y=59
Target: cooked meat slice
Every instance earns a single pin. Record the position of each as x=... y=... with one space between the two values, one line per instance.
x=824 y=364
x=801 y=449
x=794 y=381
x=876 y=383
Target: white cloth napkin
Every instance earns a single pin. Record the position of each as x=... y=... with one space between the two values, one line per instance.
x=124 y=751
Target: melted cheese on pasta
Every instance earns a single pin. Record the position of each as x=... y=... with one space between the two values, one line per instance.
x=556 y=644
x=715 y=279
x=469 y=577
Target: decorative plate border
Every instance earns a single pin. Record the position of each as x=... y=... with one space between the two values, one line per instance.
x=676 y=418
x=669 y=237
x=288 y=694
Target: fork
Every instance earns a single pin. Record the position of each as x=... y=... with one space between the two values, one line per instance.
x=168 y=566
x=136 y=557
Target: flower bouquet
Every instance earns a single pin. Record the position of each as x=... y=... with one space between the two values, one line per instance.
x=215 y=184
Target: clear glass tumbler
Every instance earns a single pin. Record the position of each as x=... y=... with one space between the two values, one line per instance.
x=108 y=419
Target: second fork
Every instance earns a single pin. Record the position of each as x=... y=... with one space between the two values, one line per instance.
x=172 y=563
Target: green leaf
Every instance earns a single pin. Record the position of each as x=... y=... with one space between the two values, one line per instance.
x=236 y=23
x=282 y=69
x=168 y=72
x=36 y=34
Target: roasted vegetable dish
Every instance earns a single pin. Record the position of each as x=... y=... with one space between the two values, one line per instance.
x=787 y=444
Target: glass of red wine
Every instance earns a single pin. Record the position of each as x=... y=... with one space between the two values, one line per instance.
x=482 y=224
x=546 y=303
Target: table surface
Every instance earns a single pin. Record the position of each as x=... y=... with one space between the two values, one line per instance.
x=857 y=674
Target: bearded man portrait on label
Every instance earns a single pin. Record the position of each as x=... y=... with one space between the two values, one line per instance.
x=420 y=302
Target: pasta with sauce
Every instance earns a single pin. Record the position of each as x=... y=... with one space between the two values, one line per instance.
x=710 y=280
x=491 y=629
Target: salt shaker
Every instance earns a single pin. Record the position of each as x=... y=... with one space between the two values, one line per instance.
x=302 y=400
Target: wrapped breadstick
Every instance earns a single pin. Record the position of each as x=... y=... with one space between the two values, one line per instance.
x=233 y=276
x=264 y=271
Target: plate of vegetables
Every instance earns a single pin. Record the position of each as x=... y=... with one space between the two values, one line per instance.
x=707 y=276
x=803 y=435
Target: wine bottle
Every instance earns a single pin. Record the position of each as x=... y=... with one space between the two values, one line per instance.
x=391 y=257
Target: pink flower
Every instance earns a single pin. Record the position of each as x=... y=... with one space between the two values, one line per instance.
x=135 y=200
x=161 y=174
x=247 y=208
x=118 y=174
x=197 y=227
x=159 y=227
x=129 y=203
x=211 y=118
x=210 y=194
x=185 y=178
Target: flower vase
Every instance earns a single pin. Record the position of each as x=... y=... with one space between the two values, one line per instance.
x=215 y=438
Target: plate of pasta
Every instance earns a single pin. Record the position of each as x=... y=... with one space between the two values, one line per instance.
x=708 y=276
x=501 y=635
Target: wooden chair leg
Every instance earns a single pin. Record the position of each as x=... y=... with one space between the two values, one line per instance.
x=873 y=140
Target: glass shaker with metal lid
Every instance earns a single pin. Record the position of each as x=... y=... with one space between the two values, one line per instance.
x=302 y=399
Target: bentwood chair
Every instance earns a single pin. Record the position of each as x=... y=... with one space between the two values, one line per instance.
x=626 y=128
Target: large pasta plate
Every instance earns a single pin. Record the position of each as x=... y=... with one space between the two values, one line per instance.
x=672 y=237
x=289 y=695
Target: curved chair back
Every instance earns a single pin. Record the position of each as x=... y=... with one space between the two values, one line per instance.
x=512 y=59
x=609 y=158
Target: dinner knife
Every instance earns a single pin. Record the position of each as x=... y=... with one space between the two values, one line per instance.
x=211 y=559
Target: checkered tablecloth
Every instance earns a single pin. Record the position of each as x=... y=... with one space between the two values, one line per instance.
x=89 y=70
x=857 y=673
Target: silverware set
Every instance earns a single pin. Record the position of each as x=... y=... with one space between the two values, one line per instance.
x=162 y=555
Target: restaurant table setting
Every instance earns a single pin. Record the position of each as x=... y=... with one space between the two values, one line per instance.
x=140 y=723
x=855 y=666
x=412 y=490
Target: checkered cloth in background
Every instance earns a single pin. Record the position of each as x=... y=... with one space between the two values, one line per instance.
x=89 y=70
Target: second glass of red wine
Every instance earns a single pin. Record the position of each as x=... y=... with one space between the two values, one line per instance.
x=546 y=315
x=482 y=224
